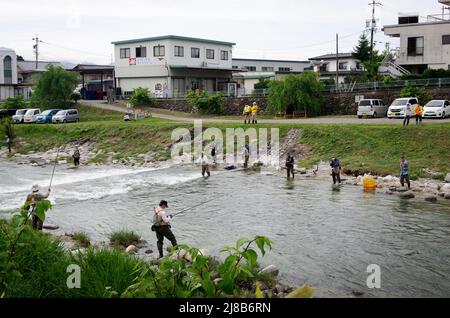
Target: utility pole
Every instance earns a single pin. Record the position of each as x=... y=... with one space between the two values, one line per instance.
x=337 y=62
x=36 y=48
x=374 y=4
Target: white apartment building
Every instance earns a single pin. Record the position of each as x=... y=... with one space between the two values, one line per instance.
x=424 y=43
x=277 y=66
x=327 y=66
x=171 y=65
x=8 y=73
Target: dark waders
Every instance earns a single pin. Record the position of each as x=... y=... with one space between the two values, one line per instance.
x=164 y=231
x=336 y=176
x=290 y=171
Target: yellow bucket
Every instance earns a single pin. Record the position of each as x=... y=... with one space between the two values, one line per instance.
x=369 y=182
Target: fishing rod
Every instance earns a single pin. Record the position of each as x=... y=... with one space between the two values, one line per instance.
x=54 y=167
x=190 y=208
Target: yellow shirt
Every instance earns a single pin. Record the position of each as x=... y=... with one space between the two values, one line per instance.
x=247 y=109
x=254 y=109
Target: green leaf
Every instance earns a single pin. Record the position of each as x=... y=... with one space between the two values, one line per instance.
x=304 y=291
x=40 y=213
x=228 y=264
x=241 y=242
x=260 y=242
x=227 y=284
x=251 y=256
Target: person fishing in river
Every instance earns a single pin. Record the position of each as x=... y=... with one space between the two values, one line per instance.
x=404 y=172
x=162 y=227
x=335 y=170
x=290 y=165
x=203 y=160
x=35 y=196
x=76 y=157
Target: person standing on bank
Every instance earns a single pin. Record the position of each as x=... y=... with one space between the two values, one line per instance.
x=335 y=170
x=290 y=165
x=408 y=114
x=404 y=172
x=76 y=157
x=418 y=112
x=36 y=196
x=255 y=110
x=162 y=227
x=247 y=111
x=8 y=143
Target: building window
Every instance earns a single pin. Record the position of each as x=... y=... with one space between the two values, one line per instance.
x=179 y=51
x=415 y=46
x=141 y=52
x=7 y=69
x=267 y=69
x=124 y=53
x=343 y=65
x=250 y=68
x=224 y=55
x=358 y=65
x=210 y=54
x=195 y=53
x=235 y=67
x=284 y=69
x=445 y=39
x=159 y=50
x=323 y=68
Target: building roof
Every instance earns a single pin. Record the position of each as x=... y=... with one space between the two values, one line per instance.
x=2 y=48
x=264 y=60
x=254 y=75
x=30 y=66
x=173 y=37
x=415 y=24
x=92 y=67
x=331 y=56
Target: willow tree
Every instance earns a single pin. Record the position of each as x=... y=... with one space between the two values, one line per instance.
x=301 y=92
x=54 y=88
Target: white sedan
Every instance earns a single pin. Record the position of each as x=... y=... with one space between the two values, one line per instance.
x=436 y=109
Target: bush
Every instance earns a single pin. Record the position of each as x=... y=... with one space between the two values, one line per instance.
x=263 y=83
x=141 y=96
x=414 y=91
x=204 y=104
x=296 y=92
x=15 y=103
x=81 y=238
x=75 y=97
x=124 y=238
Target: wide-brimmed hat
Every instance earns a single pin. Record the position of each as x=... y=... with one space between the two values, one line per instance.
x=163 y=202
x=35 y=188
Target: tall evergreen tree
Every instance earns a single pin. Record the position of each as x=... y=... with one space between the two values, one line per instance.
x=362 y=50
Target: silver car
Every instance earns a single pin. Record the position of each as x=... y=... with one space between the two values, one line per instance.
x=371 y=107
x=18 y=117
x=66 y=116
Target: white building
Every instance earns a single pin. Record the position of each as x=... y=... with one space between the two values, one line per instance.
x=327 y=66
x=171 y=65
x=27 y=73
x=8 y=73
x=424 y=43
x=277 y=66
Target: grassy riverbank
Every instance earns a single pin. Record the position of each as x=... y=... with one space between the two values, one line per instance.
x=38 y=267
x=378 y=148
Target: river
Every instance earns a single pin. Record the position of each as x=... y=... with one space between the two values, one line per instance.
x=322 y=236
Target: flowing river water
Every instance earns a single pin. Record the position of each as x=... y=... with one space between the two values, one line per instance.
x=322 y=236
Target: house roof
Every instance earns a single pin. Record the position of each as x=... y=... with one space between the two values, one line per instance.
x=173 y=37
x=331 y=56
x=273 y=61
x=92 y=67
x=30 y=66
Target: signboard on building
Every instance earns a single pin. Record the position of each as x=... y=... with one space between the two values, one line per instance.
x=132 y=61
x=140 y=61
x=158 y=87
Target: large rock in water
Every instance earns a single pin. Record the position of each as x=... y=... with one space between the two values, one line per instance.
x=447 y=196
x=431 y=198
x=447 y=178
x=445 y=187
x=271 y=269
x=407 y=195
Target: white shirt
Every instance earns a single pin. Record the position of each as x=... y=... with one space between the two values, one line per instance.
x=203 y=160
x=162 y=213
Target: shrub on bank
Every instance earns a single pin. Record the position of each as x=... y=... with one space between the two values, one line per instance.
x=141 y=96
x=124 y=238
x=204 y=103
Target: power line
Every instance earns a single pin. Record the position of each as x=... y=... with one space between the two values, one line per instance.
x=76 y=50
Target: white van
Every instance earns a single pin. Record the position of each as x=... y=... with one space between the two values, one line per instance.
x=398 y=107
x=31 y=115
x=371 y=107
x=18 y=117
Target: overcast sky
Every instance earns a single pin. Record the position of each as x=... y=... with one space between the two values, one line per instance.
x=82 y=30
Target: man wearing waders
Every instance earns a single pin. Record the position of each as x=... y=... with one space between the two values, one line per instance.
x=214 y=151
x=335 y=170
x=76 y=157
x=203 y=160
x=36 y=196
x=161 y=225
x=290 y=166
x=246 y=155
x=8 y=143
x=404 y=172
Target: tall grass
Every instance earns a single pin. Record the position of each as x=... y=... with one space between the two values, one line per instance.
x=124 y=238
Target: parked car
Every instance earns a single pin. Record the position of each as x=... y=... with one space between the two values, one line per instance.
x=436 y=109
x=31 y=115
x=66 y=116
x=46 y=116
x=7 y=113
x=398 y=107
x=371 y=107
x=18 y=117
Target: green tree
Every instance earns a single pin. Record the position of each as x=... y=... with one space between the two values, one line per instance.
x=263 y=83
x=204 y=103
x=414 y=91
x=54 y=88
x=296 y=92
x=15 y=103
x=362 y=50
x=141 y=96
